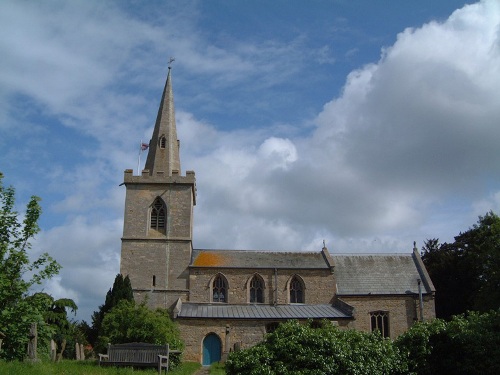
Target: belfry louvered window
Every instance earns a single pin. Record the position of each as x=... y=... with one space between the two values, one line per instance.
x=256 y=290
x=296 y=290
x=163 y=142
x=219 y=289
x=158 y=215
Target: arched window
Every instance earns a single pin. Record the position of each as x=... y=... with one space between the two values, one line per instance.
x=158 y=215
x=296 y=290
x=256 y=290
x=380 y=322
x=219 y=289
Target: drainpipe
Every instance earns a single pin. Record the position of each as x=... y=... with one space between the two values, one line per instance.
x=275 y=286
x=421 y=300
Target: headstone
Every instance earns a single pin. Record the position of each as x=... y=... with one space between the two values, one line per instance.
x=77 y=350
x=32 y=344
x=2 y=336
x=82 y=352
x=53 y=350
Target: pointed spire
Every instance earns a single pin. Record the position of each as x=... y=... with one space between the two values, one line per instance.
x=163 y=155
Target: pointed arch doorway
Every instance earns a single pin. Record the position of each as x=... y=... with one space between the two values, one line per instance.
x=212 y=349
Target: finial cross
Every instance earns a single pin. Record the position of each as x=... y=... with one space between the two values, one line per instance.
x=170 y=61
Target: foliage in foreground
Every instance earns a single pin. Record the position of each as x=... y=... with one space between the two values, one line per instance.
x=301 y=349
x=131 y=322
x=18 y=274
x=468 y=344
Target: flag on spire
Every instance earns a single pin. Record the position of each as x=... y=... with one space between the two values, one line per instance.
x=144 y=146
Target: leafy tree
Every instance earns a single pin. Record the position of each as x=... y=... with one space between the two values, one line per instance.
x=465 y=272
x=18 y=274
x=56 y=316
x=121 y=290
x=467 y=344
x=302 y=349
x=129 y=322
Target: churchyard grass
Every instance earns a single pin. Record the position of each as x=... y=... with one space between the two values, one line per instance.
x=85 y=368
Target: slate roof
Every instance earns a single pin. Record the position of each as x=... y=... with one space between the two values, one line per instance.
x=258 y=259
x=227 y=311
x=380 y=274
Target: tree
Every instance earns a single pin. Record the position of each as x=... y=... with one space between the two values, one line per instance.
x=465 y=272
x=56 y=316
x=121 y=290
x=18 y=274
x=129 y=322
x=467 y=344
x=295 y=348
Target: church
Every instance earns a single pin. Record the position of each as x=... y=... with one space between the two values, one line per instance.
x=223 y=300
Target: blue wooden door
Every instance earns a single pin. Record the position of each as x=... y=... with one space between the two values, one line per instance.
x=211 y=349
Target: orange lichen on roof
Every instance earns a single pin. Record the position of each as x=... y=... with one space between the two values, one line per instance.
x=209 y=259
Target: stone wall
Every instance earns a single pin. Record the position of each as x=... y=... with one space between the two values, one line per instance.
x=403 y=311
x=319 y=284
x=157 y=263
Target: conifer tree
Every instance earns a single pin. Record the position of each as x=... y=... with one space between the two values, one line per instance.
x=121 y=290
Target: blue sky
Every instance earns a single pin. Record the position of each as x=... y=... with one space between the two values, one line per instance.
x=367 y=124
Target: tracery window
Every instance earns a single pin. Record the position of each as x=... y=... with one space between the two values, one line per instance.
x=380 y=322
x=158 y=215
x=257 y=290
x=219 y=289
x=296 y=290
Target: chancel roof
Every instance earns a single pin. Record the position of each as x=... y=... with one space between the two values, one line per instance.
x=380 y=274
x=258 y=259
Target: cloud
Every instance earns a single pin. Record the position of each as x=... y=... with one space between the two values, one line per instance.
x=407 y=135
x=89 y=253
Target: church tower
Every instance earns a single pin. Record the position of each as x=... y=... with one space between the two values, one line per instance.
x=158 y=222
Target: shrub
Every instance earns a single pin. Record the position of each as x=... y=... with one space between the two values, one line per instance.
x=129 y=322
x=300 y=349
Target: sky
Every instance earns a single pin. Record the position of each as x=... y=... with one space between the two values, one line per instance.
x=364 y=124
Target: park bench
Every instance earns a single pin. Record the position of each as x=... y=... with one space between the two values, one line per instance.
x=137 y=354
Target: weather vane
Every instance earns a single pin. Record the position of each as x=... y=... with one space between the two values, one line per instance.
x=170 y=62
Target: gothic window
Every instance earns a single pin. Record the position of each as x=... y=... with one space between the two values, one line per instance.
x=256 y=290
x=163 y=142
x=219 y=289
x=154 y=280
x=380 y=322
x=158 y=215
x=296 y=290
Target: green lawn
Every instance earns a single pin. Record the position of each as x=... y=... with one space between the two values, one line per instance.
x=85 y=368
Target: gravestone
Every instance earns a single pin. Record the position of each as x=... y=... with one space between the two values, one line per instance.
x=32 y=344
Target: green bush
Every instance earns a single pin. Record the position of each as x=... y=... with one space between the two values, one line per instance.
x=130 y=322
x=302 y=349
x=468 y=344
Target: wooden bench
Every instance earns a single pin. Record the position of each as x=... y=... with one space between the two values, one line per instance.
x=137 y=354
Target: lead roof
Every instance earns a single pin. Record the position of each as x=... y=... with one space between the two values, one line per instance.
x=228 y=311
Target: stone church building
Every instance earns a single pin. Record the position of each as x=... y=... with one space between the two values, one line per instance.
x=225 y=299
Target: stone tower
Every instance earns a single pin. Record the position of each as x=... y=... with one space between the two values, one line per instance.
x=158 y=223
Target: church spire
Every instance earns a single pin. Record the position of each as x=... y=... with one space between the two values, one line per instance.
x=163 y=155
